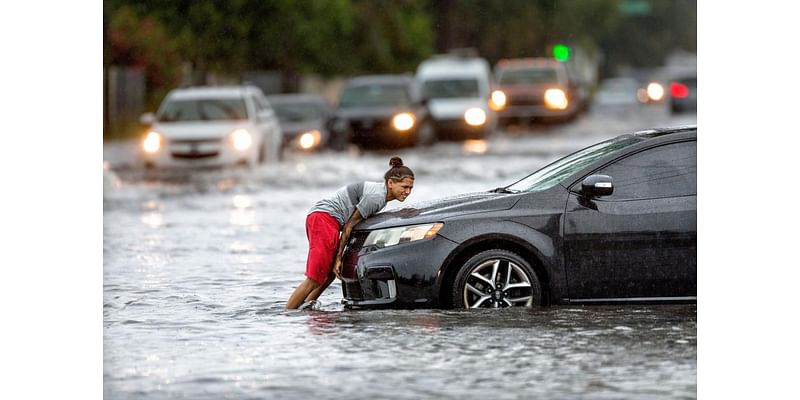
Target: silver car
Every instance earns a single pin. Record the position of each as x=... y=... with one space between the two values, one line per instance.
x=212 y=126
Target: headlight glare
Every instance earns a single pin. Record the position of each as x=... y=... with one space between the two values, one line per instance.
x=498 y=100
x=309 y=139
x=392 y=236
x=475 y=116
x=152 y=142
x=403 y=121
x=241 y=139
x=655 y=91
x=555 y=99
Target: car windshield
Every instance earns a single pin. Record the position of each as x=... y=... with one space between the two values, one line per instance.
x=451 y=88
x=374 y=96
x=203 y=110
x=559 y=170
x=531 y=75
x=297 y=112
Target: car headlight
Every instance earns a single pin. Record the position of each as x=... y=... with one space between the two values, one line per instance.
x=555 y=99
x=475 y=116
x=309 y=139
x=655 y=91
x=498 y=100
x=392 y=236
x=152 y=142
x=403 y=121
x=241 y=139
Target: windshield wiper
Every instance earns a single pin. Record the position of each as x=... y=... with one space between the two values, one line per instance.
x=503 y=190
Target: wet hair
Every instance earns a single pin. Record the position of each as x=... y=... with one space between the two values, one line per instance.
x=398 y=171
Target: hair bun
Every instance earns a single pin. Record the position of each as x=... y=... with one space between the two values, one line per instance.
x=395 y=162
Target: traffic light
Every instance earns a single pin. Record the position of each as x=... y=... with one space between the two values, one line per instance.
x=561 y=52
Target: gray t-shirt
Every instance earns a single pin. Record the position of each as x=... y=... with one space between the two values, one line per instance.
x=367 y=197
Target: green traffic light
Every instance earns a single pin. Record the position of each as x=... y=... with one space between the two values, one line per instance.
x=561 y=52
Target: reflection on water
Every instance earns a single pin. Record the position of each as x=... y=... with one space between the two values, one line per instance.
x=197 y=270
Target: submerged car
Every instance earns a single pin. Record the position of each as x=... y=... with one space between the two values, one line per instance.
x=212 y=126
x=612 y=223
x=382 y=110
x=303 y=119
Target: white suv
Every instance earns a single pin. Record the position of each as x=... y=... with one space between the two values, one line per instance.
x=212 y=126
x=458 y=89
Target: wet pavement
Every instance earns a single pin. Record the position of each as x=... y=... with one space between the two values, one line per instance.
x=198 y=266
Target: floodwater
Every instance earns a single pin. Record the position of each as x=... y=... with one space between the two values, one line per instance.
x=198 y=267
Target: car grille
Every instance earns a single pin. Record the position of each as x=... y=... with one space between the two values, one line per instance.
x=352 y=290
x=526 y=101
x=366 y=128
x=194 y=148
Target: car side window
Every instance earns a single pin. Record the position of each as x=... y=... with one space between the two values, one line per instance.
x=665 y=171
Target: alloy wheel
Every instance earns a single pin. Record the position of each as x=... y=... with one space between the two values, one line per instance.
x=498 y=283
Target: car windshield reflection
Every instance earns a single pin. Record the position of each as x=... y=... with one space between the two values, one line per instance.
x=203 y=110
x=559 y=170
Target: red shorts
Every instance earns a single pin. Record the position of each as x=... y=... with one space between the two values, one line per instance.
x=322 y=230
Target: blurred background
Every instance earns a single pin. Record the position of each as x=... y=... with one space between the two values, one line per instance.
x=224 y=121
x=284 y=46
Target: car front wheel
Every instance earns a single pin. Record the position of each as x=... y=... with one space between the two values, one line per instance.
x=496 y=279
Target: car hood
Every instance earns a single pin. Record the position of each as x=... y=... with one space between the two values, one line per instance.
x=527 y=89
x=293 y=128
x=199 y=130
x=455 y=108
x=441 y=209
x=370 y=112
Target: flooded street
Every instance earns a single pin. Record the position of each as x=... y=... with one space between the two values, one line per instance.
x=198 y=268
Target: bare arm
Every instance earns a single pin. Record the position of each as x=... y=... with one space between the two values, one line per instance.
x=348 y=227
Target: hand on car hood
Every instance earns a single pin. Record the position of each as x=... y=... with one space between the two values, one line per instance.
x=441 y=209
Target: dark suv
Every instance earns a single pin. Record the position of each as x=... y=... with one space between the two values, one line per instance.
x=382 y=110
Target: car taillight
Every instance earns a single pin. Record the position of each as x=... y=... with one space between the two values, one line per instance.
x=678 y=90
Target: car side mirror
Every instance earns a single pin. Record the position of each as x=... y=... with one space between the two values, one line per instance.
x=424 y=101
x=597 y=185
x=147 y=118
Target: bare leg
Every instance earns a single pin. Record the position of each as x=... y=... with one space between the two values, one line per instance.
x=301 y=292
x=318 y=291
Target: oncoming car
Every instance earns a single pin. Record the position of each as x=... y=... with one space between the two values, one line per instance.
x=612 y=223
x=212 y=126
x=303 y=119
x=386 y=110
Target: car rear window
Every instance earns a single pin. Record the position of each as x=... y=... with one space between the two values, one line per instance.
x=203 y=110
x=379 y=95
x=531 y=75
x=451 y=88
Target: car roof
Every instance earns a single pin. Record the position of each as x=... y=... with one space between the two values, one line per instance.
x=449 y=65
x=195 y=92
x=380 y=79
x=676 y=132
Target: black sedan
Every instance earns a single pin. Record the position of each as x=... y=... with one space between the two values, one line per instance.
x=614 y=222
x=382 y=110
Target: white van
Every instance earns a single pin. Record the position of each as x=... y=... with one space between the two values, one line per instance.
x=457 y=89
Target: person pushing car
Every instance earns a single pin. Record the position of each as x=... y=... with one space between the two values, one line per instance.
x=330 y=221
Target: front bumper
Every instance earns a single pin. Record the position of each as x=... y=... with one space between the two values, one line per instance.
x=460 y=129
x=401 y=276
x=199 y=153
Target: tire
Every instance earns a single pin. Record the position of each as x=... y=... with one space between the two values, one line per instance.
x=477 y=282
